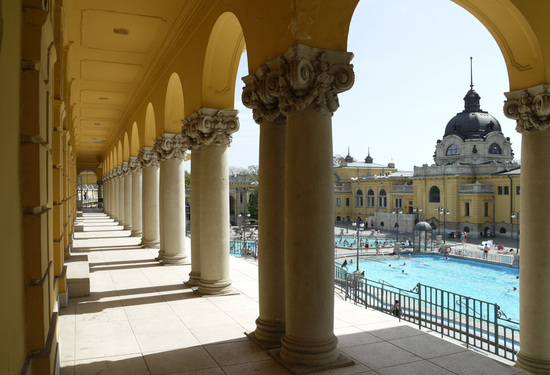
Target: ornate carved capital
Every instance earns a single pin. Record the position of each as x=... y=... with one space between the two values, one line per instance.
x=530 y=108
x=148 y=157
x=302 y=77
x=209 y=126
x=118 y=171
x=134 y=164
x=125 y=168
x=171 y=146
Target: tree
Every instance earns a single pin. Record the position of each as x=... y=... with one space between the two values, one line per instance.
x=187 y=180
x=337 y=159
x=253 y=204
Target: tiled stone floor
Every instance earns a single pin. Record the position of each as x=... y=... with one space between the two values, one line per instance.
x=141 y=319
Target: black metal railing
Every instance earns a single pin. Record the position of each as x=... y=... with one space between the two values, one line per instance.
x=477 y=323
x=244 y=249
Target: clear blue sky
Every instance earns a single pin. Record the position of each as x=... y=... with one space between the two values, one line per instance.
x=412 y=70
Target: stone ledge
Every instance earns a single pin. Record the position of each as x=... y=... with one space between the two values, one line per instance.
x=78 y=275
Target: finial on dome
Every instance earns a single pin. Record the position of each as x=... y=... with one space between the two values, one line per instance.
x=471 y=74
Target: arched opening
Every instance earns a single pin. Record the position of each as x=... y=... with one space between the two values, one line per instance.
x=150 y=131
x=494 y=149
x=134 y=140
x=453 y=150
x=382 y=199
x=359 y=198
x=434 y=194
x=87 y=193
x=174 y=105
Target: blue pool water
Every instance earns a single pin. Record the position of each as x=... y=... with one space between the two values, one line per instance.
x=487 y=282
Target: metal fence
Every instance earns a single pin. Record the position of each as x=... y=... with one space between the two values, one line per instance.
x=477 y=323
x=244 y=249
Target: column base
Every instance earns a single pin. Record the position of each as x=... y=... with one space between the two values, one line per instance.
x=136 y=233
x=167 y=259
x=268 y=335
x=151 y=244
x=304 y=352
x=215 y=287
x=531 y=364
x=298 y=369
x=127 y=227
x=194 y=279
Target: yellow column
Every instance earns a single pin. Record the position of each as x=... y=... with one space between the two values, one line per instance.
x=270 y=325
x=127 y=176
x=530 y=108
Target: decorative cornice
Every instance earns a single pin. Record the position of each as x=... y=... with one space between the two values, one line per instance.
x=530 y=108
x=302 y=77
x=209 y=126
x=148 y=157
x=171 y=146
x=134 y=164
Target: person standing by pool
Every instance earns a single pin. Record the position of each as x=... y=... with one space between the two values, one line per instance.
x=377 y=247
x=396 y=309
x=485 y=251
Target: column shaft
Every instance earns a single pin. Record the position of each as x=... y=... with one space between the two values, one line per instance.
x=136 y=204
x=116 y=187
x=150 y=207
x=174 y=211
x=128 y=200
x=534 y=355
x=270 y=325
x=121 y=199
x=309 y=255
x=214 y=221
x=195 y=274
x=162 y=229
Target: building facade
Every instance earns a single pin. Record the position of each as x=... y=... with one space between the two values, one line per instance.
x=472 y=187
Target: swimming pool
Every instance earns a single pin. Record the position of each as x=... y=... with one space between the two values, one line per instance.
x=487 y=282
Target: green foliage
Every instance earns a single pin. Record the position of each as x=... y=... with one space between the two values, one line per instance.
x=187 y=180
x=253 y=204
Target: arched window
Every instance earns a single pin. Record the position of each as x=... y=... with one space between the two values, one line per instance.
x=453 y=150
x=359 y=198
x=370 y=198
x=495 y=149
x=434 y=194
x=382 y=199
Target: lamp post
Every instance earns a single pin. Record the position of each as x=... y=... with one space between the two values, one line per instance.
x=358 y=226
x=445 y=212
x=397 y=212
x=347 y=224
x=417 y=210
x=515 y=215
x=244 y=218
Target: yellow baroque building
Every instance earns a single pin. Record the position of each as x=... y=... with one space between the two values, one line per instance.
x=126 y=88
x=472 y=187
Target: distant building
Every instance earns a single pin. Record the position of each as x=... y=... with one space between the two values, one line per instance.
x=473 y=186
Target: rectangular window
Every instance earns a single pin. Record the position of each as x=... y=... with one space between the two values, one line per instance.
x=338 y=201
x=241 y=197
x=517 y=190
x=467 y=209
x=347 y=202
x=500 y=190
x=506 y=190
x=370 y=201
x=486 y=209
x=398 y=202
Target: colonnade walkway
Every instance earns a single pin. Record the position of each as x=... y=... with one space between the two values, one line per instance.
x=140 y=318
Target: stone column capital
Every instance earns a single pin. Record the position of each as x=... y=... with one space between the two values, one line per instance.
x=125 y=168
x=148 y=157
x=118 y=171
x=134 y=164
x=210 y=126
x=529 y=107
x=171 y=146
x=302 y=77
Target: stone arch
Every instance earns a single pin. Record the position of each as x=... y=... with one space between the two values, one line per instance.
x=520 y=45
x=174 y=105
x=150 y=130
x=126 y=148
x=134 y=140
x=225 y=47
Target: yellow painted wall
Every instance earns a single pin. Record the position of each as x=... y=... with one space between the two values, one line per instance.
x=12 y=312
